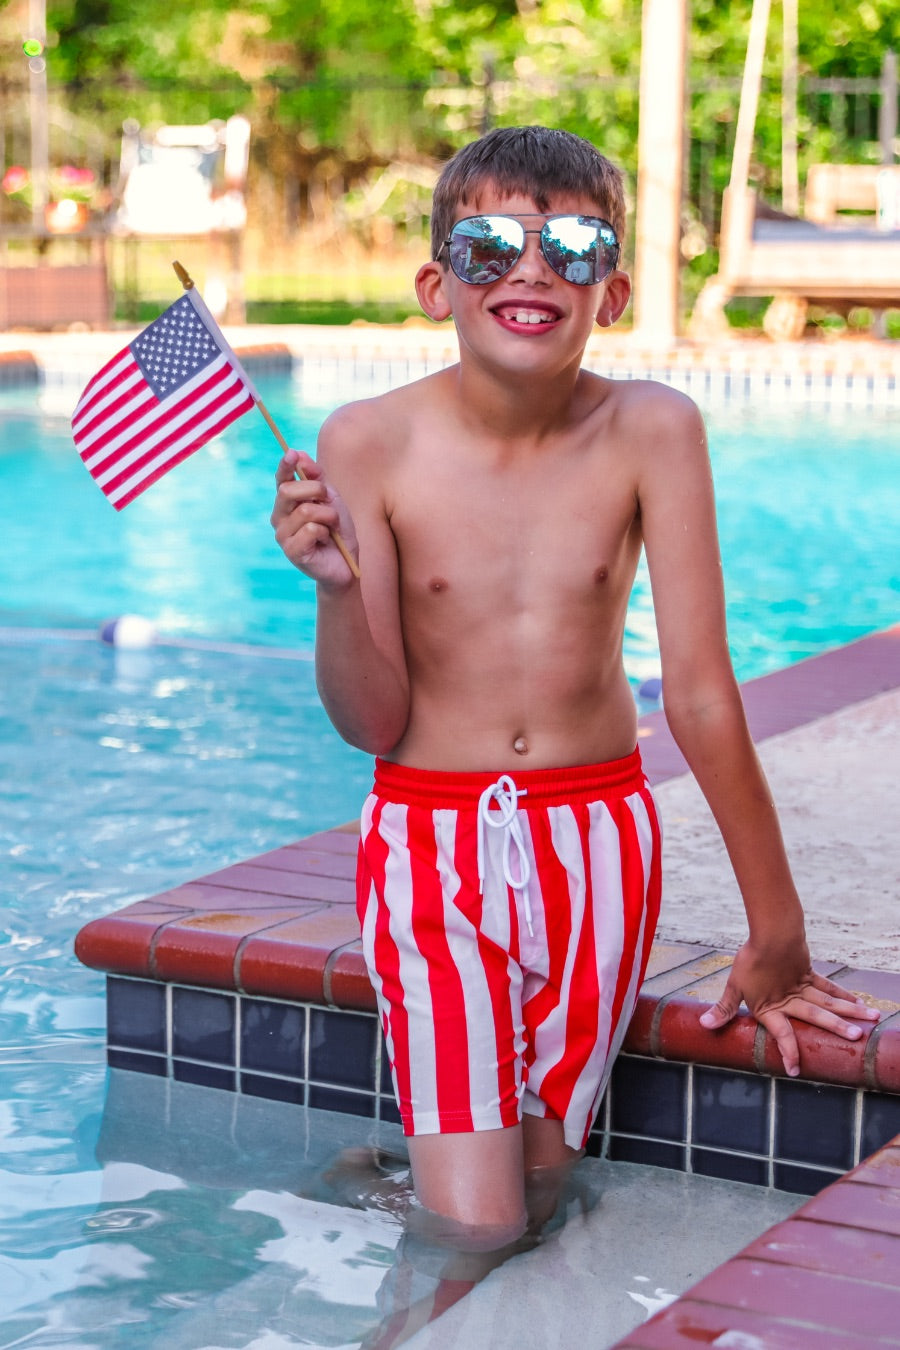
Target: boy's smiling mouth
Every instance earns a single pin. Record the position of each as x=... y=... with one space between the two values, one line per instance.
x=532 y=316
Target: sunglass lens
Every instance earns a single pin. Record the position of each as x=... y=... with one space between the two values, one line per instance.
x=483 y=248
x=580 y=249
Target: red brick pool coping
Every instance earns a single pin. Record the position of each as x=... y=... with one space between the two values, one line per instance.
x=828 y=1278
x=283 y=925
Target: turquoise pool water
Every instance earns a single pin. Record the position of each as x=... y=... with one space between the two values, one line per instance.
x=808 y=508
x=122 y=773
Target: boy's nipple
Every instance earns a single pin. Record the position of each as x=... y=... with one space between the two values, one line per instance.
x=520 y=745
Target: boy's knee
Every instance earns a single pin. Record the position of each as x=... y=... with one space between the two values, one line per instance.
x=470 y=1228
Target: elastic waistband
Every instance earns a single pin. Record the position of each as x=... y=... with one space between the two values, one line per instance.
x=434 y=788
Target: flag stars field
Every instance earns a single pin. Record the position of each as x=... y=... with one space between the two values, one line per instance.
x=170 y=391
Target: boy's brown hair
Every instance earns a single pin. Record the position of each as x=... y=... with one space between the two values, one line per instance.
x=538 y=161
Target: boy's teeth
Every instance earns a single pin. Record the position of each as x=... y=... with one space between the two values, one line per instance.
x=525 y=316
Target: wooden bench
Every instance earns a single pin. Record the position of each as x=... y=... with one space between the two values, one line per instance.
x=869 y=189
x=839 y=261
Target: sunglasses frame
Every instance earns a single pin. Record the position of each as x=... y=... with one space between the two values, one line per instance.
x=548 y=220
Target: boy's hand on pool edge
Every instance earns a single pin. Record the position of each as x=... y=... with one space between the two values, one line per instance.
x=809 y=997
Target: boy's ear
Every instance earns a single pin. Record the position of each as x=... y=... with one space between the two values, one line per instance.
x=431 y=293
x=615 y=297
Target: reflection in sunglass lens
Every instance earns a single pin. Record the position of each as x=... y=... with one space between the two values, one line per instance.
x=581 y=249
x=484 y=248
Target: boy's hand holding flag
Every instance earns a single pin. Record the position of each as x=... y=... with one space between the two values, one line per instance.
x=173 y=388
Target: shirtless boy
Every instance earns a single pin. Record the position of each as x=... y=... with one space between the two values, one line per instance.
x=509 y=870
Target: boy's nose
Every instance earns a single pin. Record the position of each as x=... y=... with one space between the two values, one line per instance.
x=532 y=265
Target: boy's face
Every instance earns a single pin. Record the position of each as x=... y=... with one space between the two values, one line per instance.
x=530 y=314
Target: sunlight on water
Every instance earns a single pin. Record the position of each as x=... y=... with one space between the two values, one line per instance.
x=193 y=1219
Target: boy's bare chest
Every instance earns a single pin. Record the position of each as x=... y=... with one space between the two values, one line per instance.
x=529 y=528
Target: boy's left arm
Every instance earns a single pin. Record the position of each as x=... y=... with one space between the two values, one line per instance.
x=772 y=972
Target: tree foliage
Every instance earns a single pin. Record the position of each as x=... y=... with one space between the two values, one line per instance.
x=337 y=89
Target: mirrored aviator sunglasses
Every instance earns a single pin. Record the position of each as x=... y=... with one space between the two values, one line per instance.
x=580 y=249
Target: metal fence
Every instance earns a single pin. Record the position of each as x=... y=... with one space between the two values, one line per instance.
x=368 y=173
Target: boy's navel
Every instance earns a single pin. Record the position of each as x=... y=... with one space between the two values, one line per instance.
x=520 y=745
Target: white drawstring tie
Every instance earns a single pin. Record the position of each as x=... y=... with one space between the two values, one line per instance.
x=505 y=793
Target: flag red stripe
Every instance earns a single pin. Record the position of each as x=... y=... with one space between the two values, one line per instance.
x=128 y=457
x=122 y=437
x=176 y=458
x=131 y=403
x=94 y=404
x=170 y=453
x=121 y=366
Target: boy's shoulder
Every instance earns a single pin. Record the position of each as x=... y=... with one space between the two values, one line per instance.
x=643 y=411
x=356 y=428
x=651 y=398
x=385 y=409
x=378 y=430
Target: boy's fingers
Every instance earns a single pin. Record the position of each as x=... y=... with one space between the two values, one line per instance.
x=286 y=467
x=843 y=1005
x=782 y=1033
x=834 y=996
x=292 y=493
x=317 y=519
x=828 y=1018
x=723 y=1011
x=295 y=462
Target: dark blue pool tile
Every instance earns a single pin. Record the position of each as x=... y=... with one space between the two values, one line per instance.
x=342 y=1048
x=880 y=1121
x=204 y=1075
x=275 y=1089
x=203 y=1025
x=730 y=1166
x=273 y=1037
x=594 y=1146
x=802 y=1180
x=650 y=1151
x=814 y=1123
x=648 y=1097
x=350 y=1103
x=136 y=1014
x=387 y=1084
x=138 y=1063
x=389 y=1110
x=731 y=1110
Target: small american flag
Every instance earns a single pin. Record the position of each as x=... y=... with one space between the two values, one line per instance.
x=170 y=391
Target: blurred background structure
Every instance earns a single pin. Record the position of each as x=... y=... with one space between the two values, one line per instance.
x=349 y=112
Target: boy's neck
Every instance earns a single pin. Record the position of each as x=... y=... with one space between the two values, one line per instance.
x=516 y=409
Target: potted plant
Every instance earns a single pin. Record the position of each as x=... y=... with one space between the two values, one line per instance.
x=72 y=195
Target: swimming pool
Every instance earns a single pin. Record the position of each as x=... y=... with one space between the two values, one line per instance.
x=125 y=772
x=807 y=507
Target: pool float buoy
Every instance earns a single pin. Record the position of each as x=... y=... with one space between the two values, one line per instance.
x=130 y=631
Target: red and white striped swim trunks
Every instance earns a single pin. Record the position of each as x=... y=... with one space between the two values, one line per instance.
x=511 y=990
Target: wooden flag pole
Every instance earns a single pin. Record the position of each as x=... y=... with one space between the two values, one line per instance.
x=342 y=548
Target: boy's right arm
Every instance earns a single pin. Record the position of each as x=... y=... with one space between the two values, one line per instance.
x=360 y=665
